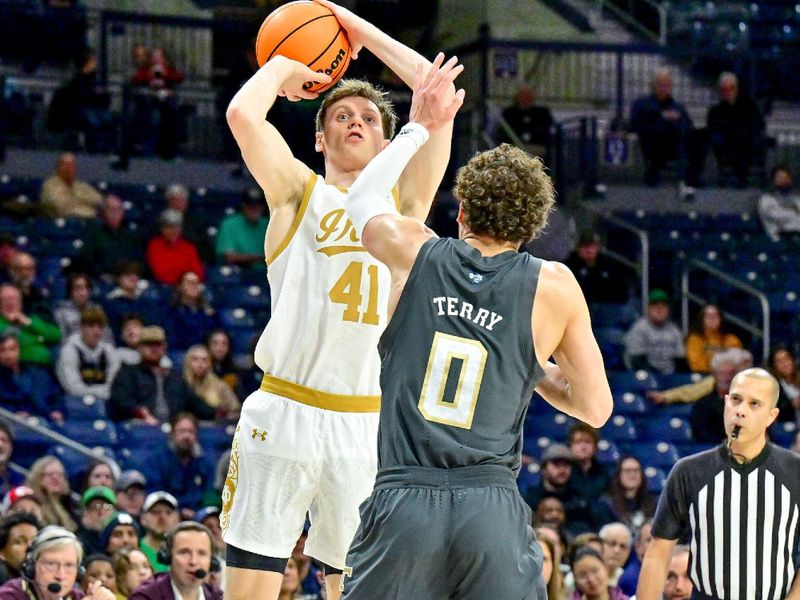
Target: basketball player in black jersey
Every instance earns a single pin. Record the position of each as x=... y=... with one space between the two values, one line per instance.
x=472 y=325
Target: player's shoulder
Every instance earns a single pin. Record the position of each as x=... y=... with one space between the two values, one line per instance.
x=557 y=281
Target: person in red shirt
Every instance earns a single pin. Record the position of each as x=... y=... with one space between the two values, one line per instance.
x=169 y=255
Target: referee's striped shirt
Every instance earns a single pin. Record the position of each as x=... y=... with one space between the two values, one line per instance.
x=744 y=521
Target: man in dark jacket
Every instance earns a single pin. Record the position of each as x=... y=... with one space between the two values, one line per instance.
x=110 y=241
x=26 y=388
x=189 y=551
x=150 y=392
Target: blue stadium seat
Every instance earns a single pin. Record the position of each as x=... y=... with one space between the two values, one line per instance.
x=534 y=445
x=612 y=315
x=676 y=409
x=236 y=318
x=655 y=479
x=528 y=478
x=655 y=454
x=630 y=404
x=607 y=452
x=611 y=346
x=215 y=437
x=143 y=460
x=783 y=433
x=28 y=441
x=689 y=448
x=667 y=429
x=85 y=407
x=639 y=382
x=136 y=434
x=619 y=429
x=223 y=275
x=245 y=296
x=242 y=340
x=666 y=382
x=555 y=426
x=100 y=432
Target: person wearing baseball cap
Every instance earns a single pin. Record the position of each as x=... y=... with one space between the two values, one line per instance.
x=131 y=487
x=98 y=504
x=120 y=530
x=22 y=499
x=655 y=342
x=159 y=515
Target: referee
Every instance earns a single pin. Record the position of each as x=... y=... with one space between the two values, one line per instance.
x=739 y=504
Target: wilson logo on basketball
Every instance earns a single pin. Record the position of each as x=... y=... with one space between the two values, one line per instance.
x=330 y=70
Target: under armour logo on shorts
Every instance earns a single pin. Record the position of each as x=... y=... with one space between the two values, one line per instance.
x=257 y=433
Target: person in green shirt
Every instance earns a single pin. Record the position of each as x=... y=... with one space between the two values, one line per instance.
x=240 y=240
x=35 y=335
x=159 y=515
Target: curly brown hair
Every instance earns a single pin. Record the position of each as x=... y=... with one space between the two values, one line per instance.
x=349 y=88
x=505 y=194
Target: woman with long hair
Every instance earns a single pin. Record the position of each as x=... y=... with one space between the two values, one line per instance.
x=591 y=577
x=551 y=571
x=627 y=497
x=218 y=343
x=783 y=366
x=48 y=479
x=101 y=472
x=708 y=336
x=131 y=569
x=202 y=380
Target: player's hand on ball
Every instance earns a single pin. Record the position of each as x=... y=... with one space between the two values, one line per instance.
x=294 y=75
x=354 y=25
x=435 y=101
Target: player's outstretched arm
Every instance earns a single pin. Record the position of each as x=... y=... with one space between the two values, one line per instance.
x=655 y=567
x=577 y=384
x=264 y=150
x=423 y=175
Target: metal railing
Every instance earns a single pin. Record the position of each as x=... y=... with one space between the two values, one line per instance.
x=688 y=296
x=645 y=16
x=641 y=266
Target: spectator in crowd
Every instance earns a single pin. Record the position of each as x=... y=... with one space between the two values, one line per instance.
x=627 y=498
x=98 y=505
x=706 y=416
x=110 y=241
x=678 y=585
x=190 y=316
x=120 y=530
x=589 y=476
x=692 y=392
x=219 y=346
x=617 y=542
x=551 y=572
x=240 y=240
x=601 y=280
x=532 y=124
x=666 y=133
x=131 y=487
x=157 y=113
x=195 y=228
x=48 y=479
x=100 y=472
x=708 y=336
x=151 y=392
x=64 y=195
x=182 y=468
x=170 y=255
x=22 y=499
x=8 y=478
x=8 y=250
x=291 y=585
x=27 y=388
x=779 y=208
x=131 y=569
x=67 y=314
x=34 y=334
x=203 y=381
x=550 y=512
x=159 y=515
x=630 y=575
x=17 y=531
x=189 y=547
x=591 y=577
x=783 y=366
x=736 y=130
x=55 y=554
x=127 y=297
x=22 y=273
x=654 y=342
x=141 y=57
x=86 y=363
x=130 y=334
x=80 y=108
x=99 y=567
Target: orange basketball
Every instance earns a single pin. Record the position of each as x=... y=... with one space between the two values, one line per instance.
x=308 y=33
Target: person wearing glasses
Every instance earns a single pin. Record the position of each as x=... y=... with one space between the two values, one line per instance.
x=50 y=570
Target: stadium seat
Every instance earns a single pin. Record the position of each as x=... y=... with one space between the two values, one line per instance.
x=534 y=445
x=619 y=429
x=137 y=434
x=223 y=275
x=528 y=478
x=783 y=433
x=655 y=454
x=555 y=426
x=76 y=463
x=630 y=404
x=215 y=437
x=242 y=340
x=245 y=296
x=666 y=382
x=143 y=460
x=676 y=409
x=100 y=432
x=667 y=429
x=236 y=318
x=655 y=479
x=639 y=382
x=607 y=452
x=86 y=408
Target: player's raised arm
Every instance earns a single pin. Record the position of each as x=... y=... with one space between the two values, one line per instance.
x=391 y=238
x=423 y=175
x=577 y=385
x=264 y=150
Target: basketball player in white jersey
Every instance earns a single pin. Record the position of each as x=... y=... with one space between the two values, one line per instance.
x=306 y=440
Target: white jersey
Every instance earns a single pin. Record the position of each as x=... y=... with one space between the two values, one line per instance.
x=329 y=307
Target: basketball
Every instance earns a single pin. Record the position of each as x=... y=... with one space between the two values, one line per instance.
x=308 y=33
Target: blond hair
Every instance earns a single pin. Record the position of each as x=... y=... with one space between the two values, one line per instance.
x=357 y=88
x=53 y=510
x=214 y=392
